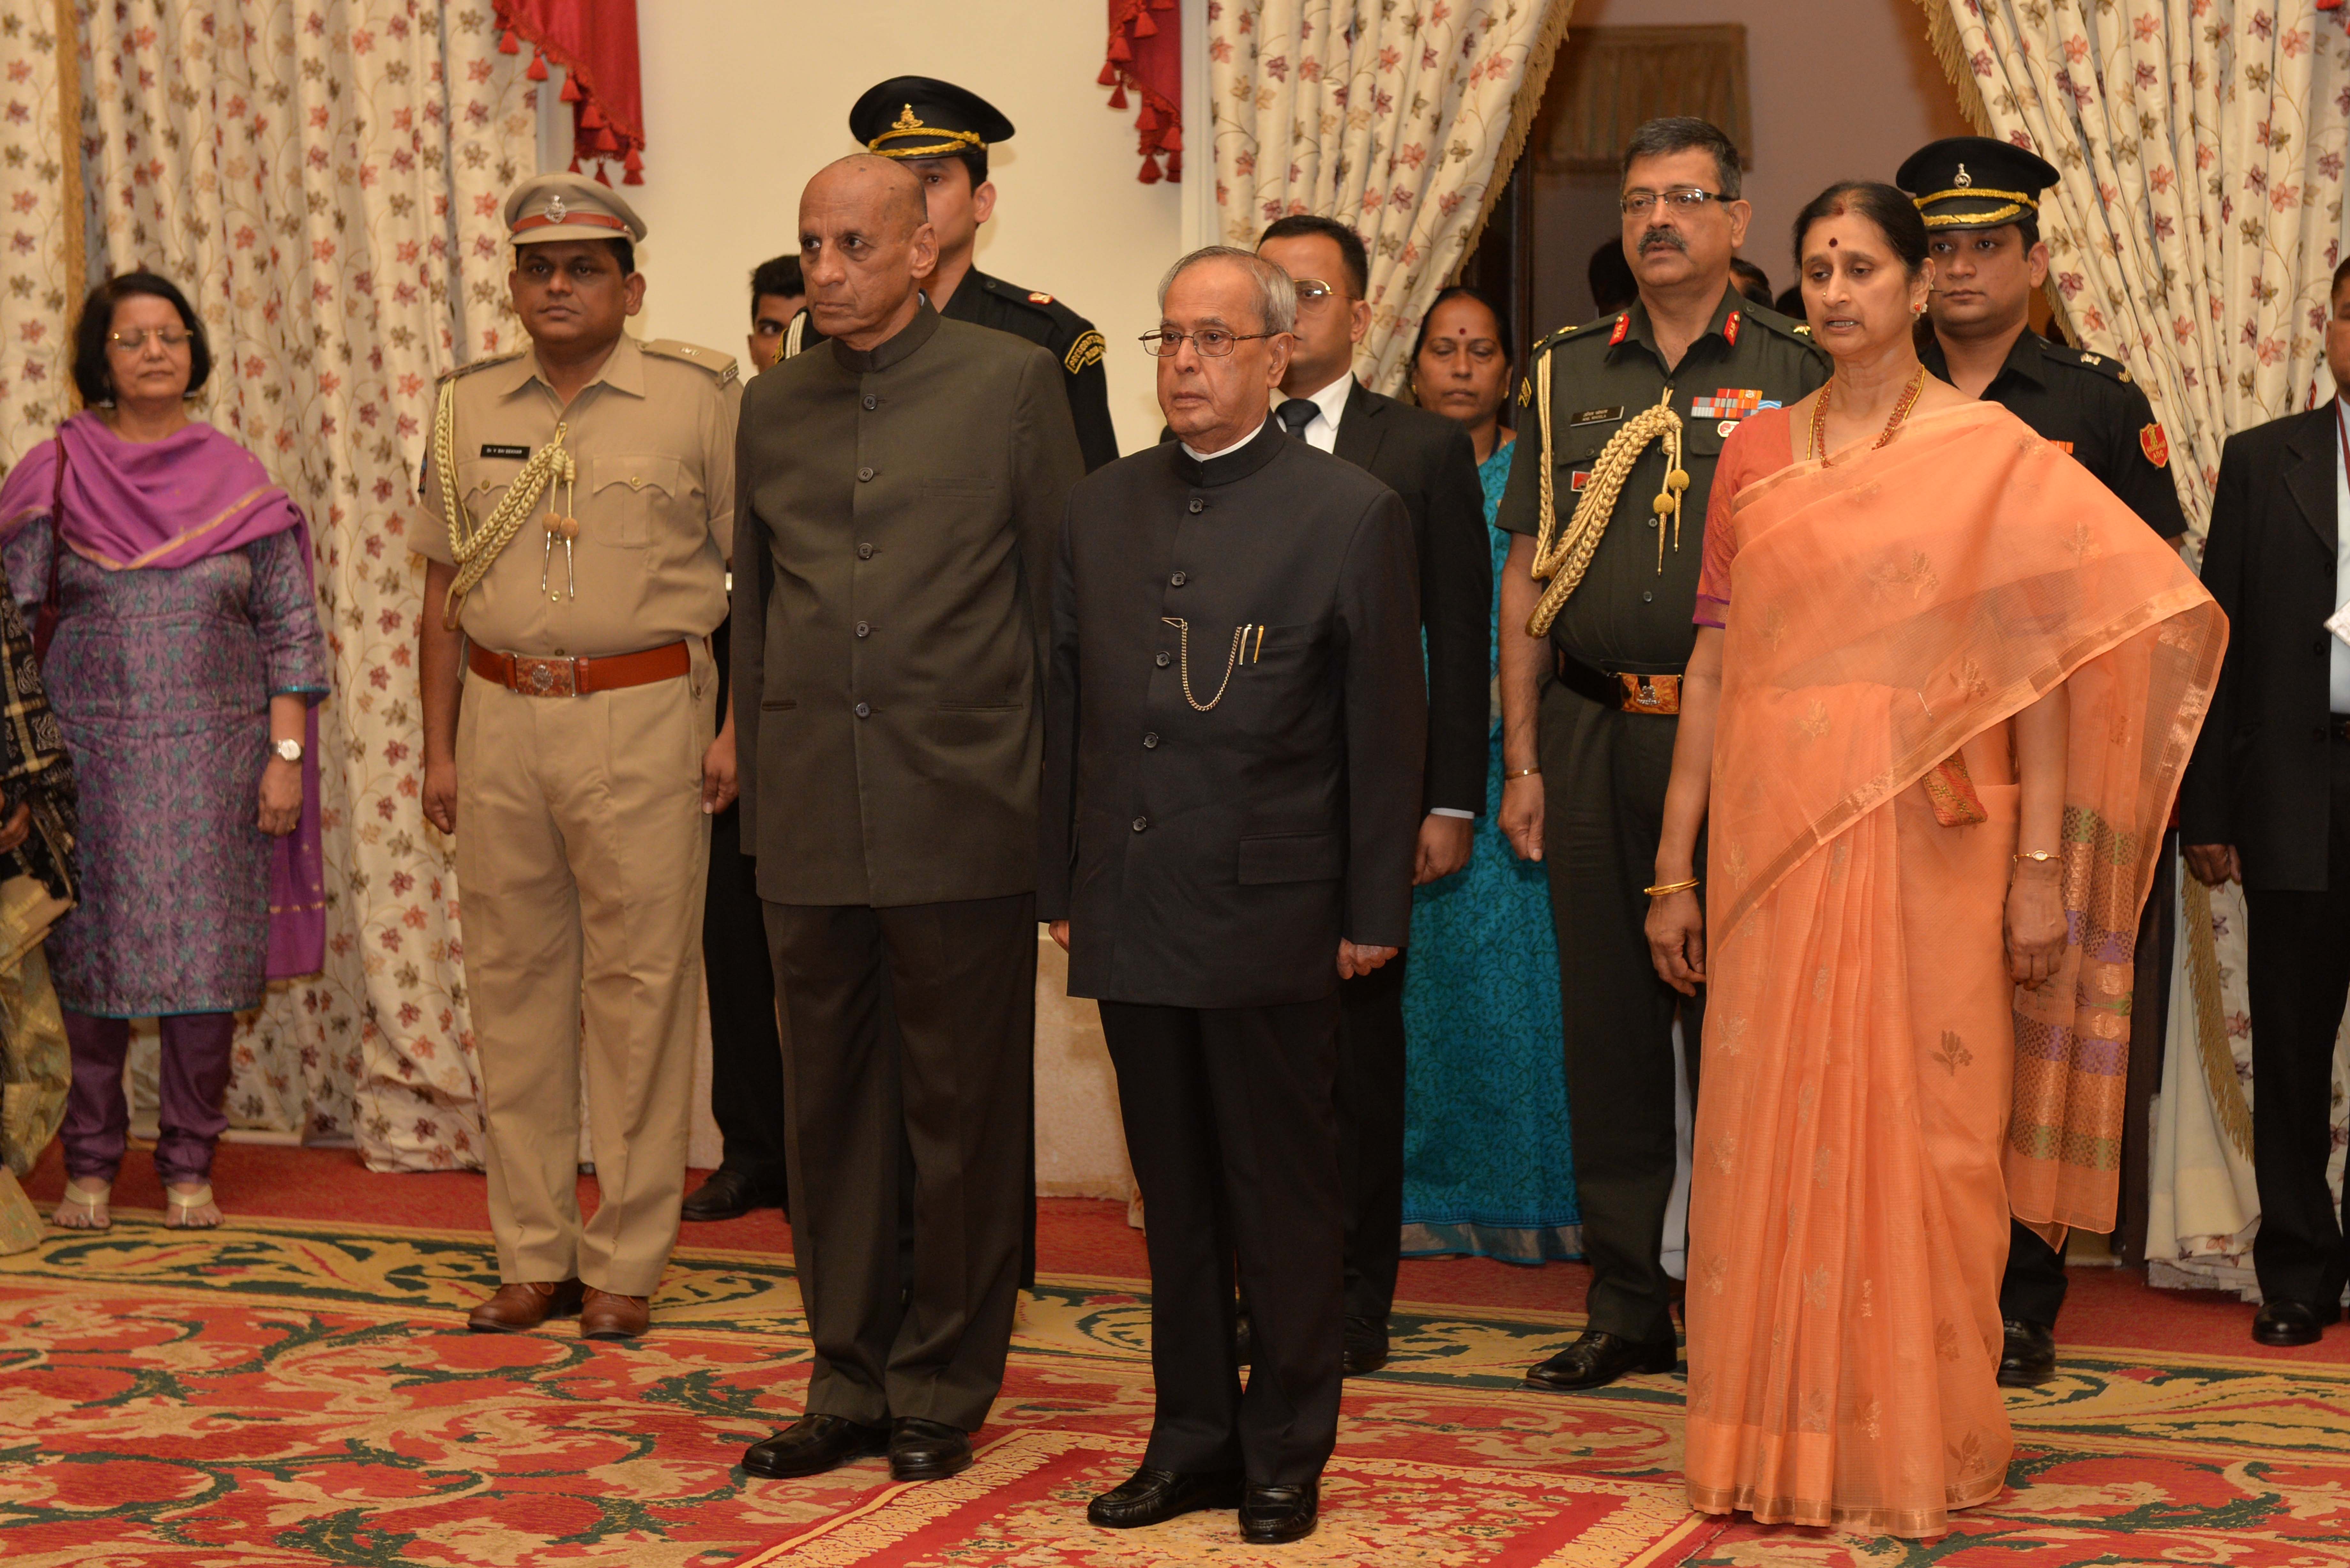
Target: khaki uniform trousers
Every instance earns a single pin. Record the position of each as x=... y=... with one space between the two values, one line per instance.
x=581 y=852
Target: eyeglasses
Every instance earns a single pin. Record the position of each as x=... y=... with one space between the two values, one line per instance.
x=173 y=338
x=1213 y=342
x=1681 y=198
x=1312 y=290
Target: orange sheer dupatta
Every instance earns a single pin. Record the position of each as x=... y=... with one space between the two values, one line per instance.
x=1849 y=1211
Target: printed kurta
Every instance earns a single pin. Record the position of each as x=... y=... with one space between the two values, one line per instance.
x=161 y=679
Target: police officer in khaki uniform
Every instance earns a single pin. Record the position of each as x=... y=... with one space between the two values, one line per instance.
x=1588 y=720
x=579 y=510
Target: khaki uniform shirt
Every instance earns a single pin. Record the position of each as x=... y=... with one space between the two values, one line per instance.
x=1626 y=615
x=654 y=436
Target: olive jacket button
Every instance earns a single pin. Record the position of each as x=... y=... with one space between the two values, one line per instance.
x=865 y=709
x=864 y=552
x=865 y=475
x=871 y=402
x=863 y=630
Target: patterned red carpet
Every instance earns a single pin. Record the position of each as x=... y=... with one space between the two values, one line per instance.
x=299 y=1390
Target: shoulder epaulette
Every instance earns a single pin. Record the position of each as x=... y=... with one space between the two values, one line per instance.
x=482 y=364
x=722 y=366
x=1785 y=327
x=2105 y=365
x=1040 y=302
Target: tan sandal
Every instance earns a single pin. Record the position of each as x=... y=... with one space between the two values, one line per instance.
x=90 y=1206
x=178 y=1206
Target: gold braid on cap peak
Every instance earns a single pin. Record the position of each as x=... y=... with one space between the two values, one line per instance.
x=908 y=123
x=2016 y=201
x=1563 y=567
x=478 y=549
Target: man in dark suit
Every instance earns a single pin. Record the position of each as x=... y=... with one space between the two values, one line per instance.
x=1428 y=461
x=1228 y=832
x=2267 y=801
x=903 y=486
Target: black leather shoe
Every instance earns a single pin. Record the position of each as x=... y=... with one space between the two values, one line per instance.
x=2284 y=1323
x=1367 y=1346
x=813 y=1445
x=2029 y=1357
x=1154 y=1497
x=726 y=1195
x=927 y=1450
x=1598 y=1358
x=1273 y=1514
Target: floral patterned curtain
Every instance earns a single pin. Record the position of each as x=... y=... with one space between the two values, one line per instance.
x=1401 y=120
x=39 y=264
x=2197 y=223
x=323 y=177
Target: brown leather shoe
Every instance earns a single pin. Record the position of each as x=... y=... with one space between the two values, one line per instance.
x=608 y=1316
x=516 y=1307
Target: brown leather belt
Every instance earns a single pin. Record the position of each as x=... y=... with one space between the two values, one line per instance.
x=1624 y=691
x=535 y=677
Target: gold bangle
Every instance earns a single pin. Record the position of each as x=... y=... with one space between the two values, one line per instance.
x=1661 y=888
x=2038 y=855
x=1520 y=774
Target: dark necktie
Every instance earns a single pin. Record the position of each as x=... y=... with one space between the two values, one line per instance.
x=1295 y=414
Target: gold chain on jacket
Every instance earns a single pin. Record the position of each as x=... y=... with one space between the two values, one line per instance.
x=1563 y=567
x=477 y=549
x=1232 y=659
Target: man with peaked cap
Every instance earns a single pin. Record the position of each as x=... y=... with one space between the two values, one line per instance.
x=579 y=503
x=1980 y=201
x=942 y=132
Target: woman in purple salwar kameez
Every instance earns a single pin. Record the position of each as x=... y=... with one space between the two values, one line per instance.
x=185 y=662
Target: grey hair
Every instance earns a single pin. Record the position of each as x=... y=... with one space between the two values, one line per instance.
x=1686 y=133
x=1277 y=296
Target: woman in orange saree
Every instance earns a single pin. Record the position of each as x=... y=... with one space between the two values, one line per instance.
x=1942 y=692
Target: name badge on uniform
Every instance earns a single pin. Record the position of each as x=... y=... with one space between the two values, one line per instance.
x=1598 y=416
x=519 y=453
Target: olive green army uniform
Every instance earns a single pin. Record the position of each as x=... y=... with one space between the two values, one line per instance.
x=1605 y=765
x=581 y=842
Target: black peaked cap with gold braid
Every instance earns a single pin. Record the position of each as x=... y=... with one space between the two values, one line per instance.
x=922 y=116
x=1975 y=182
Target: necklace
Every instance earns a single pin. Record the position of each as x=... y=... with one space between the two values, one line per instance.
x=1818 y=447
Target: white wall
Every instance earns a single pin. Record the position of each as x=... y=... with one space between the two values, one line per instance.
x=744 y=99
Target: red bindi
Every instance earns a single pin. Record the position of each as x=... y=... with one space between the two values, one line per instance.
x=1831 y=244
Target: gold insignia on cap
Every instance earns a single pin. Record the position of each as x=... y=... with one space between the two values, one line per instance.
x=907 y=121
x=1962 y=179
x=555 y=207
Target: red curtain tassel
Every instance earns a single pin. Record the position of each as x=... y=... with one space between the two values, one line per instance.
x=1108 y=77
x=538 y=71
x=635 y=165
x=1150 y=175
x=1172 y=139
x=1144 y=27
x=510 y=45
x=1118 y=95
x=1147 y=119
x=602 y=178
x=570 y=93
x=1119 y=49
x=607 y=145
x=575 y=162
x=591 y=118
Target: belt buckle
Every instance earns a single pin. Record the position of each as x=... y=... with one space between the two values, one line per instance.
x=535 y=677
x=1650 y=693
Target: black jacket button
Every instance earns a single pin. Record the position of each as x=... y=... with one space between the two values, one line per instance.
x=1164 y=658
x=865 y=709
x=1140 y=823
x=871 y=402
x=1178 y=580
x=1150 y=742
x=1198 y=506
x=863 y=630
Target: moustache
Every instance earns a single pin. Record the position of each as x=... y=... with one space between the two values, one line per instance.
x=1655 y=237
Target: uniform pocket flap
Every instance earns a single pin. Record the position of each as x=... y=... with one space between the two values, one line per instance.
x=635 y=472
x=1293 y=857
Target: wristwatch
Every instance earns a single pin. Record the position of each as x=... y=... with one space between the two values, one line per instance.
x=288 y=750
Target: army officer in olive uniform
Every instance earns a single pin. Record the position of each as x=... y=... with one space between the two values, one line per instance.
x=901 y=486
x=578 y=506
x=941 y=132
x=1980 y=201
x=1588 y=720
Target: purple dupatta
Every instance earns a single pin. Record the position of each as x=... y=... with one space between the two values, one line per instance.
x=128 y=505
